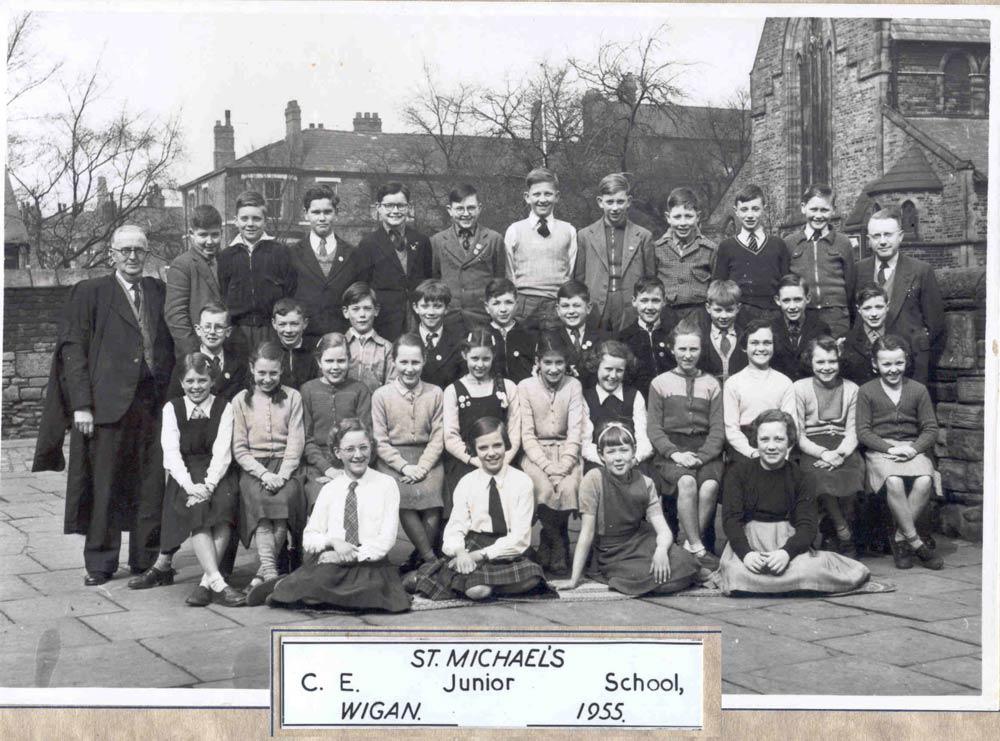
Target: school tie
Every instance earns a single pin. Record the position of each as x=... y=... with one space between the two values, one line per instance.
x=216 y=365
x=322 y=247
x=725 y=345
x=397 y=242
x=794 y=333
x=543 y=226
x=432 y=340
x=496 y=509
x=197 y=413
x=883 y=265
x=351 y=514
x=814 y=237
x=466 y=235
x=752 y=243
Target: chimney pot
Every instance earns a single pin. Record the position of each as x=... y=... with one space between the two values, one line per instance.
x=225 y=143
x=319 y=126
x=227 y=117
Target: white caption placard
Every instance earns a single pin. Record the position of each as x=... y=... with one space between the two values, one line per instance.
x=343 y=682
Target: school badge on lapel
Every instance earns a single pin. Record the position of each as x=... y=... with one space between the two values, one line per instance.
x=477 y=249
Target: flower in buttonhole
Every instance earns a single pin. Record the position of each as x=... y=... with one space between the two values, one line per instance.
x=502 y=396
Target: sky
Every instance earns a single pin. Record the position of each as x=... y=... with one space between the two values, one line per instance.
x=339 y=58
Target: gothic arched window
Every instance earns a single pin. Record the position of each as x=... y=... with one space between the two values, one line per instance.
x=815 y=62
x=956 y=86
x=911 y=221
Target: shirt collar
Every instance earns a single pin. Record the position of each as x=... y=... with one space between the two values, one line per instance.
x=331 y=241
x=238 y=239
x=205 y=406
x=458 y=230
x=126 y=285
x=504 y=330
x=619 y=227
x=535 y=220
x=297 y=345
x=809 y=232
x=424 y=332
x=744 y=236
x=650 y=330
x=891 y=263
x=401 y=231
x=717 y=333
x=602 y=395
x=407 y=391
x=220 y=355
x=874 y=334
x=369 y=335
x=501 y=476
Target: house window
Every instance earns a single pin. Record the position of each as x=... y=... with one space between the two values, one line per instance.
x=273 y=197
x=956 y=92
x=911 y=221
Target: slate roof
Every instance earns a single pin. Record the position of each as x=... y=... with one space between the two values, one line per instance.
x=910 y=172
x=969 y=30
x=967 y=138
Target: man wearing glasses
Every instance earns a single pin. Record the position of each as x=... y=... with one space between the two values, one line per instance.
x=110 y=373
x=393 y=260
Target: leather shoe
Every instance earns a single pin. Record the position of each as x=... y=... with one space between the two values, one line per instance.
x=928 y=558
x=228 y=597
x=902 y=554
x=200 y=597
x=260 y=592
x=151 y=577
x=95 y=578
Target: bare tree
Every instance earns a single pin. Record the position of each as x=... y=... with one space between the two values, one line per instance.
x=24 y=73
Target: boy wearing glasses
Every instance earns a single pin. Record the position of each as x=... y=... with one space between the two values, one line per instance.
x=467 y=256
x=393 y=260
x=193 y=279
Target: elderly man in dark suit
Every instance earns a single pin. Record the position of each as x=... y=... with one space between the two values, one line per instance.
x=111 y=368
x=915 y=310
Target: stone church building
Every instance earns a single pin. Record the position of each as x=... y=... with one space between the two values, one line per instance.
x=890 y=112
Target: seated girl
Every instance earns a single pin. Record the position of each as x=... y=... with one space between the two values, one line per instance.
x=897 y=427
x=634 y=550
x=828 y=441
x=351 y=529
x=769 y=515
x=488 y=535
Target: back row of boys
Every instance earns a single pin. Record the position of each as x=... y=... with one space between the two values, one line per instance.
x=611 y=277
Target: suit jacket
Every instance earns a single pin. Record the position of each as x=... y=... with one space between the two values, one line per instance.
x=855 y=355
x=380 y=268
x=915 y=310
x=514 y=357
x=321 y=294
x=786 y=355
x=651 y=357
x=710 y=361
x=191 y=283
x=235 y=375
x=638 y=260
x=443 y=364
x=577 y=361
x=467 y=273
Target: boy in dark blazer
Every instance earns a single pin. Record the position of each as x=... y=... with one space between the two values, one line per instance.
x=193 y=280
x=648 y=337
x=228 y=350
x=514 y=355
x=393 y=260
x=915 y=307
x=298 y=361
x=323 y=265
x=442 y=341
x=723 y=352
x=869 y=325
x=795 y=327
x=573 y=307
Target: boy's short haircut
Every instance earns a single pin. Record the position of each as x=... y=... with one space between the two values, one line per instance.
x=286 y=306
x=817 y=190
x=390 y=189
x=499 y=287
x=792 y=280
x=432 y=290
x=649 y=283
x=250 y=198
x=358 y=292
x=755 y=326
x=748 y=193
x=213 y=307
x=574 y=289
x=540 y=175
x=889 y=212
x=206 y=217
x=870 y=292
x=459 y=194
x=319 y=193
x=723 y=293
x=890 y=343
x=614 y=183
x=682 y=197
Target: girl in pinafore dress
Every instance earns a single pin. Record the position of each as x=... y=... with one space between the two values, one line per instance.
x=552 y=424
x=477 y=394
x=769 y=514
x=268 y=438
x=200 y=500
x=686 y=428
x=350 y=532
x=828 y=439
x=634 y=549
x=408 y=425
x=897 y=427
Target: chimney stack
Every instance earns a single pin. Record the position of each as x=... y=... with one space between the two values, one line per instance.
x=225 y=144
x=369 y=123
x=293 y=131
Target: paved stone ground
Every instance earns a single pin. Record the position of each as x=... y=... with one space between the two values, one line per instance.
x=923 y=639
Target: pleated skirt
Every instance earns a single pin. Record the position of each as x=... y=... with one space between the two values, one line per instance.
x=368 y=585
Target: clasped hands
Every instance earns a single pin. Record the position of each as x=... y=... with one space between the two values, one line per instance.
x=767 y=562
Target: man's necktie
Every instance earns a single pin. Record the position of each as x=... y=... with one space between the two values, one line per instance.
x=351 y=514
x=496 y=509
x=794 y=333
x=466 y=235
x=883 y=265
x=432 y=340
x=752 y=243
x=136 y=298
x=322 y=247
x=725 y=345
x=197 y=413
x=543 y=226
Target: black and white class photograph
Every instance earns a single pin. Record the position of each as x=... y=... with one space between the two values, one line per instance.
x=502 y=315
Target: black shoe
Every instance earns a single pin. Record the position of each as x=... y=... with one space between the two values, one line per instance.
x=411 y=564
x=96 y=578
x=410 y=582
x=259 y=593
x=152 y=577
x=200 y=597
x=229 y=597
x=902 y=554
x=928 y=558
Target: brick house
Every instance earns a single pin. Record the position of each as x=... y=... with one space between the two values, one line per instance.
x=889 y=112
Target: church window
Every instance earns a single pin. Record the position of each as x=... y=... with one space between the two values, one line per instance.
x=815 y=90
x=911 y=221
x=956 y=92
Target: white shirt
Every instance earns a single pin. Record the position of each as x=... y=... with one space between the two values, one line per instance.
x=238 y=239
x=209 y=354
x=890 y=268
x=809 y=231
x=378 y=516
x=717 y=333
x=127 y=287
x=758 y=233
x=748 y=393
x=453 y=441
x=502 y=330
x=331 y=245
x=424 y=332
x=471 y=512
x=170 y=441
x=643 y=447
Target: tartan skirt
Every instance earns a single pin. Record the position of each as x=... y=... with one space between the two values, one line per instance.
x=437 y=581
x=623 y=561
x=366 y=585
x=812 y=571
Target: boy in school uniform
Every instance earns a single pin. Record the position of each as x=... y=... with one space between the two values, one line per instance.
x=467 y=256
x=323 y=265
x=255 y=271
x=226 y=350
x=648 y=337
x=915 y=306
x=612 y=254
x=722 y=327
x=795 y=328
x=393 y=259
x=371 y=354
x=193 y=280
x=514 y=346
x=541 y=252
x=684 y=256
x=573 y=307
x=298 y=360
x=442 y=342
x=869 y=324
x=753 y=259
x=825 y=259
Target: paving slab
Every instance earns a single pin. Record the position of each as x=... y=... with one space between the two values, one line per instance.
x=866 y=622
x=121 y=664
x=486 y=616
x=616 y=613
x=252 y=616
x=57 y=582
x=963 y=554
x=23 y=495
x=816 y=609
x=9 y=531
x=53 y=559
x=972 y=574
x=845 y=675
x=731 y=688
x=217 y=654
x=44 y=609
x=960 y=670
x=793 y=626
x=64 y=633
x=968 y=629
x=928 y=584
x=900 y=646
x=47 y=524
x=13 y=545
x=257 y=682
x=133 y=624
x=712 y=605
x=911 y=606
x=971 y=596
x=746 y=649
x=15 y=512
x=12 y=588
x=19 y=564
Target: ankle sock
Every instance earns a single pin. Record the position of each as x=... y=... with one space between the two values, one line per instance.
x=915 y=542
x=694 y=551
x=205 y=582
x=217 y=583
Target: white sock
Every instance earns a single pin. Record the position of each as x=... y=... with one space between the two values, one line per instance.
x=204 y=581
x=693 y=549
x=216 y=583
x=164 y=562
